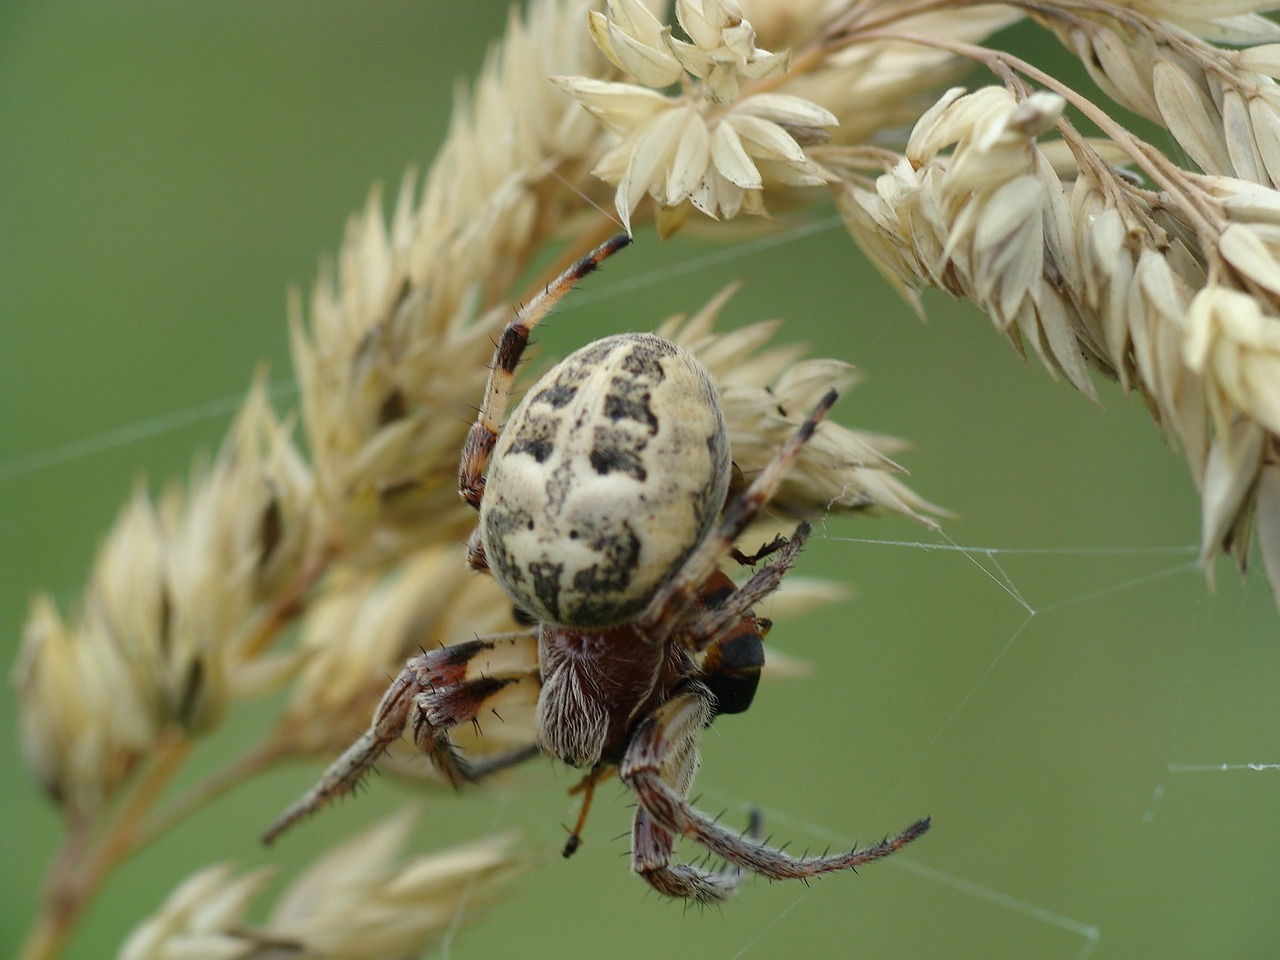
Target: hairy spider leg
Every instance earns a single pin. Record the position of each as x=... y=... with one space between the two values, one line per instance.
x=436 y=690
x=710 y=628
x=732 y=638
x=657 y=621
x=652 y=843
x=768 y=550
x=667 y=739
x=483 y=435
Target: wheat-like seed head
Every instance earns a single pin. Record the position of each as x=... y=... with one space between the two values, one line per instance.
x=767 y=392
x=162 y=637
x=1173 y=293
x=738 y=129
x=356 y=901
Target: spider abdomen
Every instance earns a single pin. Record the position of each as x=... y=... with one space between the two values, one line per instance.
x=607 y=475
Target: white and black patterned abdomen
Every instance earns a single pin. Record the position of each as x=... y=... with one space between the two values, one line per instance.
x=607 y=475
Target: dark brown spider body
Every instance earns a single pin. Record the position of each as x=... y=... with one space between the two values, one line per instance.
x=596 y=683
x=611 y=513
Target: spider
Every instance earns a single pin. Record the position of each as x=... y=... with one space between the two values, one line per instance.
x=603 y=515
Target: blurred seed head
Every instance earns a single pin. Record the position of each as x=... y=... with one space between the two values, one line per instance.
x=159 y=641
x=360 y=901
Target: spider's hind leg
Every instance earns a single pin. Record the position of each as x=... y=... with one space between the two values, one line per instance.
x=653 y=845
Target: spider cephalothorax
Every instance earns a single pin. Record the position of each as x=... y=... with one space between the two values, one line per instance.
x=603 y=516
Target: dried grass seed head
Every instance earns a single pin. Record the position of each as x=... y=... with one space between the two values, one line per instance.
x=160 y=638
x=1222 y=106
x=713 y=144
x=392 y=346
x=358 y=902
x=203 y=919
x=766 y=392
x=85 y=724
x=876 y=89
x=1174 y=295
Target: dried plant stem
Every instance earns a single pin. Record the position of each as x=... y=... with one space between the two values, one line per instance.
x=82 y=866
x=863 y=17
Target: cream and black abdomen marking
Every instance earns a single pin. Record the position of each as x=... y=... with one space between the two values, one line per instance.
x=607 y=475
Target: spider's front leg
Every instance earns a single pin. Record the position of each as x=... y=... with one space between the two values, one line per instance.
x=436 y=691
x=667 y=738
x=483 y=436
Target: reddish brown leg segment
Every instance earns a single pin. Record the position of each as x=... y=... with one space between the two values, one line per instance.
x=483 y=435
x=437 y=691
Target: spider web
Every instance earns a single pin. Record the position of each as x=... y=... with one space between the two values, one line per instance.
x=1078 y=711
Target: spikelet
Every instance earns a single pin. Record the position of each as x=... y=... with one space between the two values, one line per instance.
x=1222 y=106
x=85 y=726
x=355 y=902
x=737 y=130
x=163 y=638
x=767 y=391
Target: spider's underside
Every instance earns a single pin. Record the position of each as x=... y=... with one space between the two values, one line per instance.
x=600 y=515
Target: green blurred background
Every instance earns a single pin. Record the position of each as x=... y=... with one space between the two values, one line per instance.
x=168 y=170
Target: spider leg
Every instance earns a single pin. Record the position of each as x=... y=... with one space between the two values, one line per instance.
x=662 y=614
x=444 y=687
x=768 y=550
x=652 y=852
x=456 y=684
x=653 y=845
x=476 y=559
x=712 y=626
x=358 y=759
x=506 y=356
x=441 y=708
x=674 y=729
